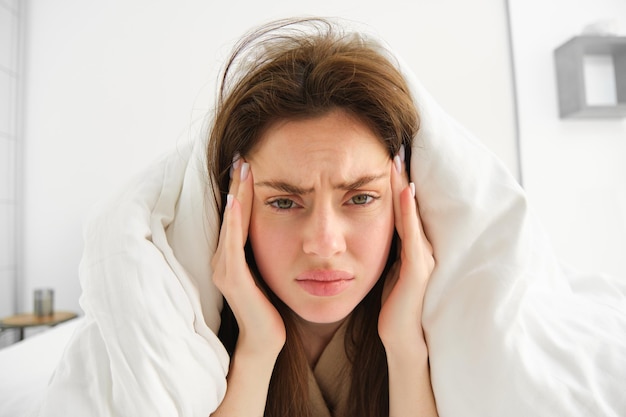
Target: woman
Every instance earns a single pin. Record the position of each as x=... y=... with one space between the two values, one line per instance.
x=322 y=258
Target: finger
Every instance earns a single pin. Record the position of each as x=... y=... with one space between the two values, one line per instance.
x=423 y=235
x=399 y=181
x=242 y=190
x=219 y=263
x=245 y=194
x=409 y=231
x=235 y=174
x=234 y=186
x=416 y=246
x=233 y=243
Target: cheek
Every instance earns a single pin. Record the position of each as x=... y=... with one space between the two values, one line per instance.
x=373 y=243
x=272 y=245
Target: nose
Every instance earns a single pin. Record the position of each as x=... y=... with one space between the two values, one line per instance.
x=324 y=233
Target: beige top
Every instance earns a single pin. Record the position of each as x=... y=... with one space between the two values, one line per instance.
x=329 y=380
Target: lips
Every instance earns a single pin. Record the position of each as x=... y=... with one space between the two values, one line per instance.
x=324 y=283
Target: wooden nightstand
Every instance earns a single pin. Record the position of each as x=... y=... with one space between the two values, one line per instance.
x=22 y=321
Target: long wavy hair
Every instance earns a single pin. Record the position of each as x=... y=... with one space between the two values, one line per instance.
x=293 y=69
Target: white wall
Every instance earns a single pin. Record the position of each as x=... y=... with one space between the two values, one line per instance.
x=10 y=72
x=574 y=170
x=112 y=84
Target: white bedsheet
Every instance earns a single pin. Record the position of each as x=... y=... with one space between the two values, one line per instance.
x=26 y=368
x=510 y=331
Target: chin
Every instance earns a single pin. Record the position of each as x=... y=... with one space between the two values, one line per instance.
x=323 y=315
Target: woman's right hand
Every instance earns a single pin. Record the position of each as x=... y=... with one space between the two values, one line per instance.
x=261 y=328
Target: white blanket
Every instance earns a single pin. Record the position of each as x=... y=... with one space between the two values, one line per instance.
x=26 y=366
x=510 y=332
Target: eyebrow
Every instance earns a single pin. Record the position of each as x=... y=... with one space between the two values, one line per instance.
x=294 y=189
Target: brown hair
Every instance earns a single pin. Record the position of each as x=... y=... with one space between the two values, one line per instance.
x=297 y=69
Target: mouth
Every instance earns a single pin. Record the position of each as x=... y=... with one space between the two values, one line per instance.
x=325 y=283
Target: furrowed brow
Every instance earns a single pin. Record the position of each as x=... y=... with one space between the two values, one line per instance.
x=359 y=182
x=284 y=187
x=288 y=188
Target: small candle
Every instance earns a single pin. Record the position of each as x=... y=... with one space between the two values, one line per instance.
x=44 y=302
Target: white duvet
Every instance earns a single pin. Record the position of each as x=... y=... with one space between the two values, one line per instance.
x=510 y=331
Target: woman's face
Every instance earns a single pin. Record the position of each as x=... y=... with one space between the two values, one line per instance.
x=322 y=216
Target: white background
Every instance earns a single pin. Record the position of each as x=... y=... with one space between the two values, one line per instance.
x=574 y=170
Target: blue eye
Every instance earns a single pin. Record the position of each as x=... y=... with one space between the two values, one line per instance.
x=282 y=204
x=361 y=199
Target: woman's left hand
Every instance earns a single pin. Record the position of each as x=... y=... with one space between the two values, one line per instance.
x=400 y=319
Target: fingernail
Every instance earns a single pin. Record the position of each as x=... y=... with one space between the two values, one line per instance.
x=398 y=163
x=245 y=168
x=229 y=201
x=412 y=186
x=402 y=152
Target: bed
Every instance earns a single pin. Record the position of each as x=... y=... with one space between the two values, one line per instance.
x=27 y=366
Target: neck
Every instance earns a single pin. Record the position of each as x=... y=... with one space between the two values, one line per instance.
x=315 y=337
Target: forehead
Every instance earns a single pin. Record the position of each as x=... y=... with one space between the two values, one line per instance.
x=333 y=134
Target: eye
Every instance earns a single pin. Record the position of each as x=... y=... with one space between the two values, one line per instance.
x=361 y=199
x=282 y=204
